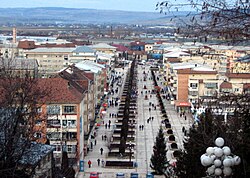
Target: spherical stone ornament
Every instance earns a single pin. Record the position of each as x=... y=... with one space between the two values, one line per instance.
x=227 y=162
x=226 y=150
x=227 y=171
x=210 y=170
x=210 y=150
x=206 y=161
x=219 y=142
x=217 y=171
x=213 y=157
x=218 y=152
x=202 y=156
x=217 y=163
x=237 y=160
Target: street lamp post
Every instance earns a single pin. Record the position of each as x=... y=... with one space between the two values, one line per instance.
x=219 y=160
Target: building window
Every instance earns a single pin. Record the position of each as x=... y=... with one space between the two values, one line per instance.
x=58 y=147
x=211 y=85
x=71 y=148
x=53 y=109
x=38 y=135
x=39 y=110
x=69 y=109
x=193 y=85
x=38 y=122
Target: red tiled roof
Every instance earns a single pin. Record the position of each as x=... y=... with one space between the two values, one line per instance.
x=173 y=60
x=120 y=47
x=60 y=91
x=26 y=44
x=226 y=85
x=45 y=90
x=238 y=75
x=137 y=52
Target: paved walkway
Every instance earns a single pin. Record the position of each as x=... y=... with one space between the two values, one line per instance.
x=144 y=138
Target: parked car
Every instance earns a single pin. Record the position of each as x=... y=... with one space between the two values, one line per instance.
x=134 y=175
x=120 y=175
x=94 y=175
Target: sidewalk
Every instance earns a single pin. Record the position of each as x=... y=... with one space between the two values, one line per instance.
x=144 y=138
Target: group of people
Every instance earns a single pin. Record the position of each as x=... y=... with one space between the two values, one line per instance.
x=98 y=162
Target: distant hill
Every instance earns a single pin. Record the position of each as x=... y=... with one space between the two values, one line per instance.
x=79 y=16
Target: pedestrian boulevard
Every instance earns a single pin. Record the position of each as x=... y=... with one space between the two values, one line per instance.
x=145 y=137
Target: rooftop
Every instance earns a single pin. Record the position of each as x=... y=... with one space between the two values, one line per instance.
x=51 y=50
x=225 y=85
x=61 y=90
x=89 y=65
x=238 y=75
x=35 y=153
x=102 y=45
x=84 y=49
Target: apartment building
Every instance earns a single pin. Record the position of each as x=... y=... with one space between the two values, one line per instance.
x=64 y=109
x=9 y=50
x=50 y=60
x=86 y=81
x=82 y=53
x=238 y=82
x=104 y=48
x=99 y=74
x=191 y=84
x=20 y=67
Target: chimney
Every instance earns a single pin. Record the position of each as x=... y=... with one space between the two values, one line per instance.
x=14 y=35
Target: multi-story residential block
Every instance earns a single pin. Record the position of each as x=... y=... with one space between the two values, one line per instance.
x=85 y=80
x=237 y=83
x=191 y=84
x=82 y=53
x=9 y=51
x=98 y=72
x=64 y=107
x=20 y=67
x=50 y=60
x=104 y=48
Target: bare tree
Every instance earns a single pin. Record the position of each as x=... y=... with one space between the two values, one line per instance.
x=20 y=100
x=224 y=19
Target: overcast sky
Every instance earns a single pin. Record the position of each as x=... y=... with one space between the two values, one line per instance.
x=129 y=5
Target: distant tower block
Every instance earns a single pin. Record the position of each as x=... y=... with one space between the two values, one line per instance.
x=14 y=35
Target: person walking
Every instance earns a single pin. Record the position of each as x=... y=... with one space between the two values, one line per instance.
x=89 y=163
x=98 y=162
x=103 y=163
x=101 y=149
x=142 y=126
x=95 y=141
